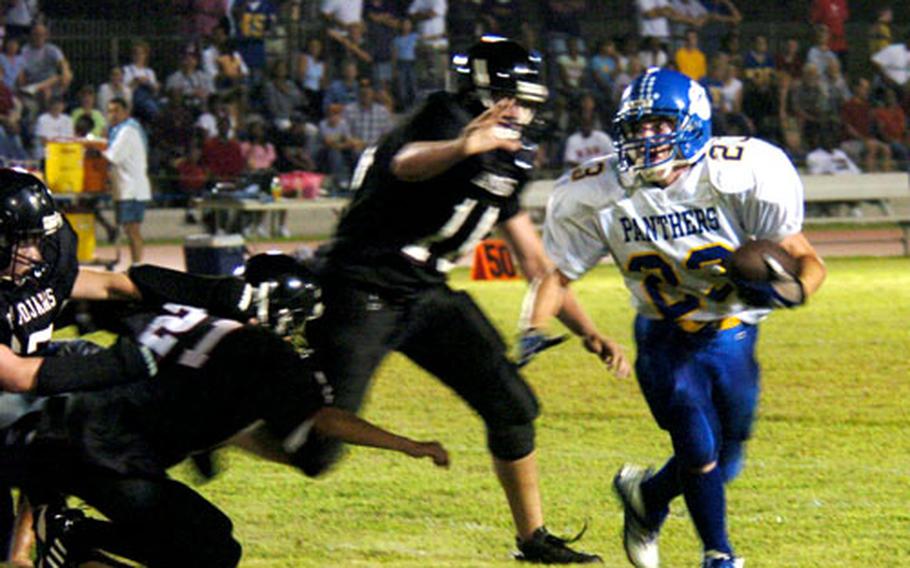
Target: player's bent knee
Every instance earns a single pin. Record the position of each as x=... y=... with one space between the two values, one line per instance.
x=510 y=443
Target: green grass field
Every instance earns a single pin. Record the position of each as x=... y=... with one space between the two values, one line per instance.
x=827 y=480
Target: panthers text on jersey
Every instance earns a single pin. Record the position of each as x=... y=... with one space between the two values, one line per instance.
x=399 y=236
x=668 y=242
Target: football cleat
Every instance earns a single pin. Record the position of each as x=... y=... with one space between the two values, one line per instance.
x=545 y=548
x=54 y=539
x=715 y=559
x=638 y=538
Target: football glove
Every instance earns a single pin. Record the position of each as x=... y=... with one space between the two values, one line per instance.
x=782 y=290
x=533 y=342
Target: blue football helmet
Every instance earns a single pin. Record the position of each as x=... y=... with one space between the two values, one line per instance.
x=669 y=94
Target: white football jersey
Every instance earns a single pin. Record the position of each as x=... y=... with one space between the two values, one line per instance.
x=668 y=241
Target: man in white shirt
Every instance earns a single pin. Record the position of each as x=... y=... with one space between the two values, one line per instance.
x=586 y=144
x=654 y=19
x=127 y=156
x=430 y=18
x=52 y=124
x=342 y=13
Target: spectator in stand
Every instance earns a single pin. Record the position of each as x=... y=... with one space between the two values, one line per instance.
x=337 y=146
x=206 y=16
x=382 y=24
x=127 y=158
x=207 y=122
x=738 y=122
x=20 y=16
x=11 y=61
x=404 y=54
x=654 y=53
x=338 y=16
x=311 y=76
x=282 y=97
x=191 y=176
x=820 y=54
x=367 y=119
x=790 y=62
x=859 y=139
x=654 y=18
x=115 y=87
x=45 y=71
x=465 y=24
x=562 y=20
x=260 y=158
x=624 y=78
x=295 y=145
x=690 y=14
x=87 y=108
x=223 y=64
x=354 y=48
x=588 y=110
x=690 y=59
x=604 y=65
x=827 y=159
x=344 y=90
x=880 y=31
x=812 y=106
x=758 y=65
x=761 y=96
x=222 y=156
x=833 y=14
x=723 y=16
x=837 y=87
x=254 y=20
x=572 y=66
x=891 y=126
x=172 y=129
x=585 y=144
x=503 y=18
x=53 y=123
x=730 y=46
x=430 y=19
x=713 y=83
x=143 y=82
x=193 y=83
x=11 y=147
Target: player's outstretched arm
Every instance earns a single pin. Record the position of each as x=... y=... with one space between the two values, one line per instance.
x=17 y=374
x=97 y=285
x=551 y=295
x=419 y=161
x=348 y=427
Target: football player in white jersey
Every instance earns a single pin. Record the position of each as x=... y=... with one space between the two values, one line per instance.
x=669 y=208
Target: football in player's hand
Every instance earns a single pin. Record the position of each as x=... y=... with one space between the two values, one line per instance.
x=766 y=275
x=748 y=261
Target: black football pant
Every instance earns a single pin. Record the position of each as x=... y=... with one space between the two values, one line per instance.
x=156 y=521
x=441 y=330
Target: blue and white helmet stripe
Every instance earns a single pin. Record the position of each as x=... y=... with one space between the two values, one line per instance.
x=663 y=93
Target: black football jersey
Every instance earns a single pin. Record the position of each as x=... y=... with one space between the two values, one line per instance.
x=401 y=236
x=28 y=311
x=215 y=377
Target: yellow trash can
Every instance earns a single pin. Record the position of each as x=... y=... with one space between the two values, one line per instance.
x=63 y=166
x=84 y=226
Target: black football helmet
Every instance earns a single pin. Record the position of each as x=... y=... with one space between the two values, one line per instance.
x=28 y=215
x=288 y=294
x=496 y=67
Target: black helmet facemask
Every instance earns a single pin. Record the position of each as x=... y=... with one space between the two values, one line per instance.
x=28 y=217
